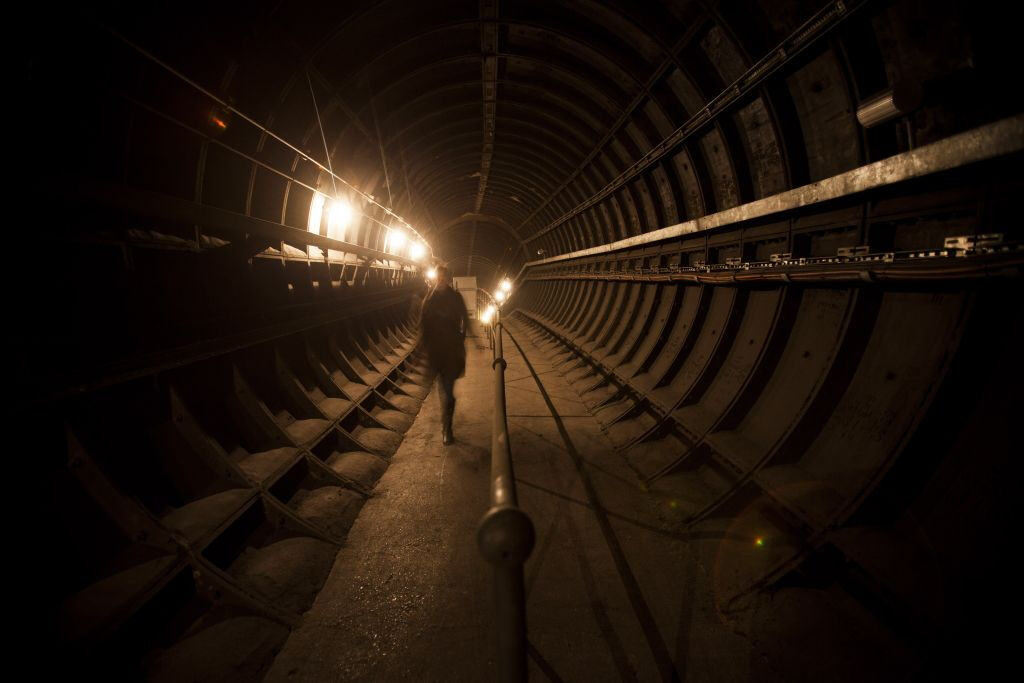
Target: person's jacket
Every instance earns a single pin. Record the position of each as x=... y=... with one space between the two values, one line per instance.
x=443 y=325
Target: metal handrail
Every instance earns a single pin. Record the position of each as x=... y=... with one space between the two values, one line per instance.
x=505 y=535
x=490 y=327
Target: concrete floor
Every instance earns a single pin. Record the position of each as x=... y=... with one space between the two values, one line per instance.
x=614 y=590
x=408 y=596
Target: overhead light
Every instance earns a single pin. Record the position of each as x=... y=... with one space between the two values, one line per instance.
x=338 y=217
x=396 y=240
x=488 y=314
x=417 y=250
x=500 y=296
x=432 y=274
x=506 y=285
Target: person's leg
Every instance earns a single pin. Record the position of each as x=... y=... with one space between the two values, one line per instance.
x=446 y=394
x=451 y=403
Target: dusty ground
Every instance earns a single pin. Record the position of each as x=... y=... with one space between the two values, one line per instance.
x=408 y=597
x=615 y=590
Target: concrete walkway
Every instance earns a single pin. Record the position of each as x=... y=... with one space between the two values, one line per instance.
x=612 y=593
x=409 y=595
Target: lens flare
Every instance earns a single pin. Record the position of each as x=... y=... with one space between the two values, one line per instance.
x=396 y=240
x=316 y=212
x=338 y=217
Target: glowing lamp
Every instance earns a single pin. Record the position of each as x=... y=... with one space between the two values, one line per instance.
x=500 y=296
x=488 y=314
x=417 y=251
x=338 y=217
x=396 y=238
x=506 y=285
x=432 y=274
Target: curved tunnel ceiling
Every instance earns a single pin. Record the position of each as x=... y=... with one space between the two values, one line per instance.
x=516 y=113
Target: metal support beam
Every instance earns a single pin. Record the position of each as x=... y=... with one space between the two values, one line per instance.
x=808 y=33
x=154 y=204
x=627 y=113
x=986 y=142
x=489 y=77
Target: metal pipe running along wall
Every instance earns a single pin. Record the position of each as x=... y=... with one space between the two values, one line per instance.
x=980 y=144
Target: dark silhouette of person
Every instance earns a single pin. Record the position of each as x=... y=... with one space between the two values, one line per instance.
x=444 y=323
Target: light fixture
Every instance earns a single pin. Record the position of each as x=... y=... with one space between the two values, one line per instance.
x=417 y=251
x=500 y=296
x=506 y=285
x=488 y=314
x=432 y=274
x=338 y=217
x=396 y=240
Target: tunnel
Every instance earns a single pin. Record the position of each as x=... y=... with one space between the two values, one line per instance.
x=761 y=271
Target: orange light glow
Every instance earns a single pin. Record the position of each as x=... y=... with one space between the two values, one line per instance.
x=396 y=240
x=316 y=212
x=339 y=216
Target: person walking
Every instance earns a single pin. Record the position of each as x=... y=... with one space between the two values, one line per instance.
x=444 y=323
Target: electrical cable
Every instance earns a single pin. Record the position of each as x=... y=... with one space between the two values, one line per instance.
x=320 y=124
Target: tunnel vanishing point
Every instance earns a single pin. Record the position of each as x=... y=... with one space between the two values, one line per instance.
x=758 y=352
